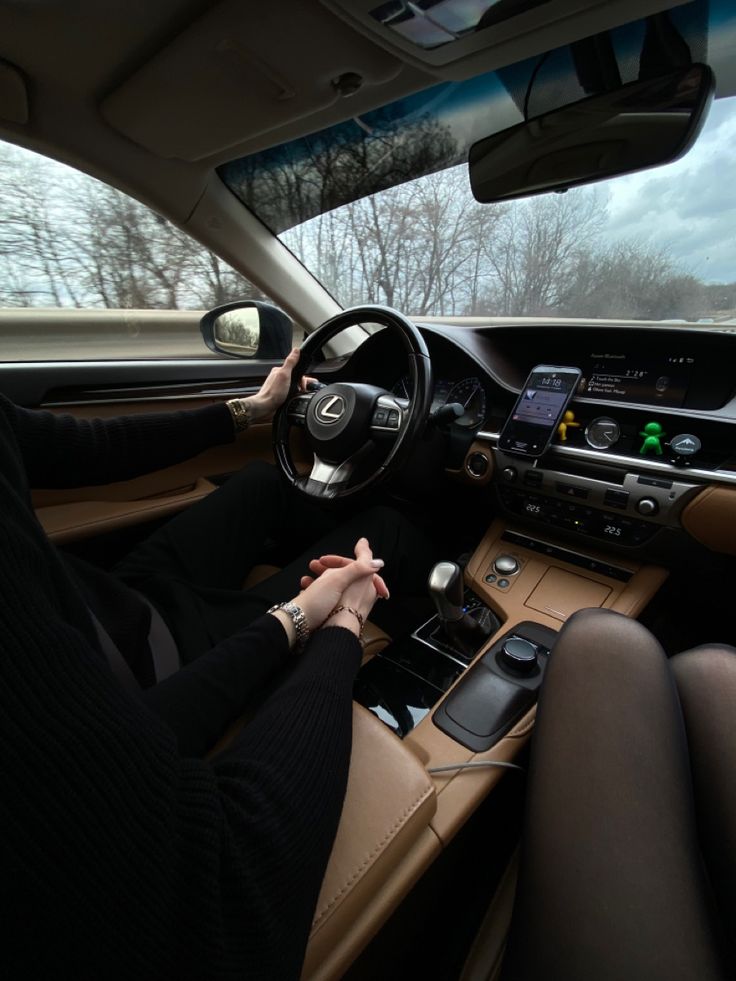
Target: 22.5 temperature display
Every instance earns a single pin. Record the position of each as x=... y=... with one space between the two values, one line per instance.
x=538 y=411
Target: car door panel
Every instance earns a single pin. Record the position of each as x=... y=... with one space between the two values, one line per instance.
x=109 y=389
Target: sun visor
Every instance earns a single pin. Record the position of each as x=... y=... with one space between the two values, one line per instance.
x=240 y=70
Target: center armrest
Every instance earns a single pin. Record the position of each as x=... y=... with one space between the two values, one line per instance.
x=389 y=803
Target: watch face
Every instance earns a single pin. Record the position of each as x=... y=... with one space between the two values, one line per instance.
x=602 y=433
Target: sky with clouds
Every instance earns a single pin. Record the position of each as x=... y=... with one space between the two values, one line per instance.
x=689 y=206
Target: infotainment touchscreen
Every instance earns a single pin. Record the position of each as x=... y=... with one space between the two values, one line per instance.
x=626 y=377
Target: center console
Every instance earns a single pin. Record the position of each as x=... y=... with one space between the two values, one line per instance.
x=434 y=706
x=430 y=689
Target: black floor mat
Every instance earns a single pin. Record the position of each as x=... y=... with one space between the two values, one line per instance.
x=694 y=608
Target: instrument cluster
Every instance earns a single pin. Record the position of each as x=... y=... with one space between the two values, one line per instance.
x=468 y=393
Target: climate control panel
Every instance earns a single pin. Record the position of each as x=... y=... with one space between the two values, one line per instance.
x=606 y=525
x=627 y=510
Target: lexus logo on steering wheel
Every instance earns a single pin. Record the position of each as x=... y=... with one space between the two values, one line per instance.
x=330 y=409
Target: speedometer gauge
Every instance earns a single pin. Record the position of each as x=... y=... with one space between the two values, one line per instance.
x=471 y=395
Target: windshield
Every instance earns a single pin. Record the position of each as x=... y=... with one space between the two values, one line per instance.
x=379 y=207
x=658 y=245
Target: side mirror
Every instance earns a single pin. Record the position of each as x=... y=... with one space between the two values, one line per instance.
x=630 y=128
x=248 y=329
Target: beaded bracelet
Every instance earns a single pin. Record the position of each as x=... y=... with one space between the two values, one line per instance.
x=348 y=609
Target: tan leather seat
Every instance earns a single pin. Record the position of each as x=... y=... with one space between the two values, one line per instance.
x=389 y=803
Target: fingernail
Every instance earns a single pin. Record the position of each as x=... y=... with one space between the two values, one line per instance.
x=376 y=563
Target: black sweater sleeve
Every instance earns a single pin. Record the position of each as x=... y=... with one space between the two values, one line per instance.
x=200 y=700
x=128 y=859
x=62 y=451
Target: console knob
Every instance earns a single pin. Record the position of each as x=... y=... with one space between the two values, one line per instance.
x=509 y=474
x=519 y=655
x=505 y=565
x=477 y=464
x=647 y=505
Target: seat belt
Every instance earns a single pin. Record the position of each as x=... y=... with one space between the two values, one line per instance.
x=166 y=660
x=163 y=648
x=118 y=665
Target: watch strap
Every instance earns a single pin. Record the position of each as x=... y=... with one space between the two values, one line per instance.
x=298 y=618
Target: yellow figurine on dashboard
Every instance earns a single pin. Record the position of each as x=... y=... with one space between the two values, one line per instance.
x=568 y=422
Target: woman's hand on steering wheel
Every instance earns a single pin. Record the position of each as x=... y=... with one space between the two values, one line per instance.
x=273 y=392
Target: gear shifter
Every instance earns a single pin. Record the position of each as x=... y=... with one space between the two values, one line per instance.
x=462 y=633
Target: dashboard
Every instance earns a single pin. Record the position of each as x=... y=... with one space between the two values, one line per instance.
x=652 y=424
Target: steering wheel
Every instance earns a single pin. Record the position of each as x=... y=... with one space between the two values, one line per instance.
x=346 y=421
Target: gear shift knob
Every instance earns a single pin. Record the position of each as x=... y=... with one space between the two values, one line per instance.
x=446 y=589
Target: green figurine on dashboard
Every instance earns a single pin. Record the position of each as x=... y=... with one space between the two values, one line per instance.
x=652 y=434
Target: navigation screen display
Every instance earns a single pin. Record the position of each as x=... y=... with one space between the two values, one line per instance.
x=539 y=409
x=628 y=378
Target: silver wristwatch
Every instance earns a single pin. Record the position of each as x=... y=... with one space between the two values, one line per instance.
x=297 y=618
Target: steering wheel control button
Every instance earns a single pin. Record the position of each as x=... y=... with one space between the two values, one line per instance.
x=392 y=420
x=518 y=655
x=506 y=565
x=298 y=407
x=380 y=417
x=683 y=448
x=602 y=433
x=647 y=506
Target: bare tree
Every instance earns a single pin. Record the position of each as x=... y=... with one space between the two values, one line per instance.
x=67 y=240
x=424 y=246
x=536 y=249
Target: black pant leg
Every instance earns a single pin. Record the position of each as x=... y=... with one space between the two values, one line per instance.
x=193 y=568
x=408 y=555
x=611 y=884
x=216 y=541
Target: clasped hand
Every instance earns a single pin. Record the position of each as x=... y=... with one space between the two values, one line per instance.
x=340 y=581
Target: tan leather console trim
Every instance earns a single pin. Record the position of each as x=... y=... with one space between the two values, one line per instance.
x=711 y=518
x=560 y=593
x=373 y=640
x=389 y=803
x=85 y=519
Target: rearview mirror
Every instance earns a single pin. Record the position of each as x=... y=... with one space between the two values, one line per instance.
x=248 y=329
x=638 y=125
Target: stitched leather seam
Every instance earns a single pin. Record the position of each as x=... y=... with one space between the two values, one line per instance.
x=367 y=861
x=521 y=732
